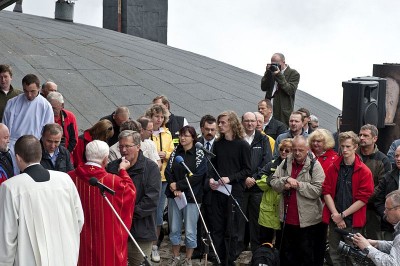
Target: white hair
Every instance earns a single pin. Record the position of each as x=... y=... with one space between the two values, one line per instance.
x=55 y=95
x=96 y=151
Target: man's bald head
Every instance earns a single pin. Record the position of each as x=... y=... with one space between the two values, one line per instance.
x=4 y=137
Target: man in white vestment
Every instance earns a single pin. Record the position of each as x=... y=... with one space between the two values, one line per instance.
x=27 y=113
x=41 y=214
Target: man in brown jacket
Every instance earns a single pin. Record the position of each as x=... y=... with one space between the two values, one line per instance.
x=280 y=84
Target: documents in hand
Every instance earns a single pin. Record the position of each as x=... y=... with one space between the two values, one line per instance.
x=181 y=201
x=222 y=189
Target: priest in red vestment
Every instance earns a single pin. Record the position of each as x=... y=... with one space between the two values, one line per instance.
x=103 y=238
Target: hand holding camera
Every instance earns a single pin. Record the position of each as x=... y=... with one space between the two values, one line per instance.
x=275 y=68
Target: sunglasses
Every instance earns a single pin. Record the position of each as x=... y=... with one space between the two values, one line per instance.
x=285 y=150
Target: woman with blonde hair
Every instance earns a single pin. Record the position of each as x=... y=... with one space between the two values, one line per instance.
x=321 y=143
x=162 y=137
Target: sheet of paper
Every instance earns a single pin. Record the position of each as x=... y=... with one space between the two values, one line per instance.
x=222 y=189
x=181 y=201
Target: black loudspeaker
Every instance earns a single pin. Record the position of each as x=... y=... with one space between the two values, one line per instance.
x=360 y=105
x=381 y=98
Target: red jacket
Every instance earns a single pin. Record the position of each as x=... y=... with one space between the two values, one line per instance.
x=68 y=122
x=363 y=187
x=78 y=155
x=104 y=241
x=327 y=159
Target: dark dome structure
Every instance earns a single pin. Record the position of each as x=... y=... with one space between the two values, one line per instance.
x=97 y=70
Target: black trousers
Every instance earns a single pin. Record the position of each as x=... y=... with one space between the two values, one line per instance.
x=303 y=246
x=225 y=226
x=249 y=232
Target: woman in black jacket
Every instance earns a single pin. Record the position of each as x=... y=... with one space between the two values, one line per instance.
x=178 y=189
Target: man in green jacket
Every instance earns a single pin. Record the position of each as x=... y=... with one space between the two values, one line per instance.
x=6 y=90
x=280 y=84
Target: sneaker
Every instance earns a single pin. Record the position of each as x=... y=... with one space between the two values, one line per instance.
x=174 y=261
x=155 y=256
x=187 y=262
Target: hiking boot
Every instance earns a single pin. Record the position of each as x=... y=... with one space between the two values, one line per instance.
x=155 y=256
x=187 y=262
x=175 y=261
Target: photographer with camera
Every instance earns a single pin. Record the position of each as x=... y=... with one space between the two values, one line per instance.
x=280 y=84
x=379 y=251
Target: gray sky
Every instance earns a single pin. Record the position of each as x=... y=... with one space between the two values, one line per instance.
x=326 y=41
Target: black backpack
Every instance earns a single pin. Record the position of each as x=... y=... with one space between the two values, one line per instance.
x=265 y=255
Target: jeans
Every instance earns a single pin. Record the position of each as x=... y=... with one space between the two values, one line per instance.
x=175 y=217
x=161 y=204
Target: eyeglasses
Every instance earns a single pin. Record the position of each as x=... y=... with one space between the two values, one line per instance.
x=389 y=209
x=285 y=150
x=121 y=147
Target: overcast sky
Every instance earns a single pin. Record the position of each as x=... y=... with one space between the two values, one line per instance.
x=326 y=41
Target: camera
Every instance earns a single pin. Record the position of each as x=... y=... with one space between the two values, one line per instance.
x=357 y=254
x=274 y=67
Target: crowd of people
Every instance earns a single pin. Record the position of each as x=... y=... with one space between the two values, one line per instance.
x=270 y=176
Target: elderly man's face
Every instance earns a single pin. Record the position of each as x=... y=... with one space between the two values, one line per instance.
x=121 y=118
x=300 y=150
x=392 y=211
x=129 y=149
x=4 y=138
x=57 y=107
x=260 y=122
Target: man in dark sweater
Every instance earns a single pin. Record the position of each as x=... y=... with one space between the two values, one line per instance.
x=233 y=164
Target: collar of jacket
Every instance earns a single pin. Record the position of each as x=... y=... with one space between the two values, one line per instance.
x=138 y=167
x=357 y=163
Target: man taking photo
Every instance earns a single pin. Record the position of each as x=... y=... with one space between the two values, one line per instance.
x=379 y=251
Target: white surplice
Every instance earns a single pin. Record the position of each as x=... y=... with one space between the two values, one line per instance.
x=40 y=221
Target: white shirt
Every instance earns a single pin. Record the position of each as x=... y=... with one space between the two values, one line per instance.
x=250 y=138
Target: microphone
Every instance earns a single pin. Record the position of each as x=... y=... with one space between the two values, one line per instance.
x=201 y=147
x=95 y=182
x=179 y=160
x=344 y=233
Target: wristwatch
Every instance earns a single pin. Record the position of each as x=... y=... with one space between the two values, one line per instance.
x=367 y=249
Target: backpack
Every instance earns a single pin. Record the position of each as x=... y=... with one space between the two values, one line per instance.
x=265 y=255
